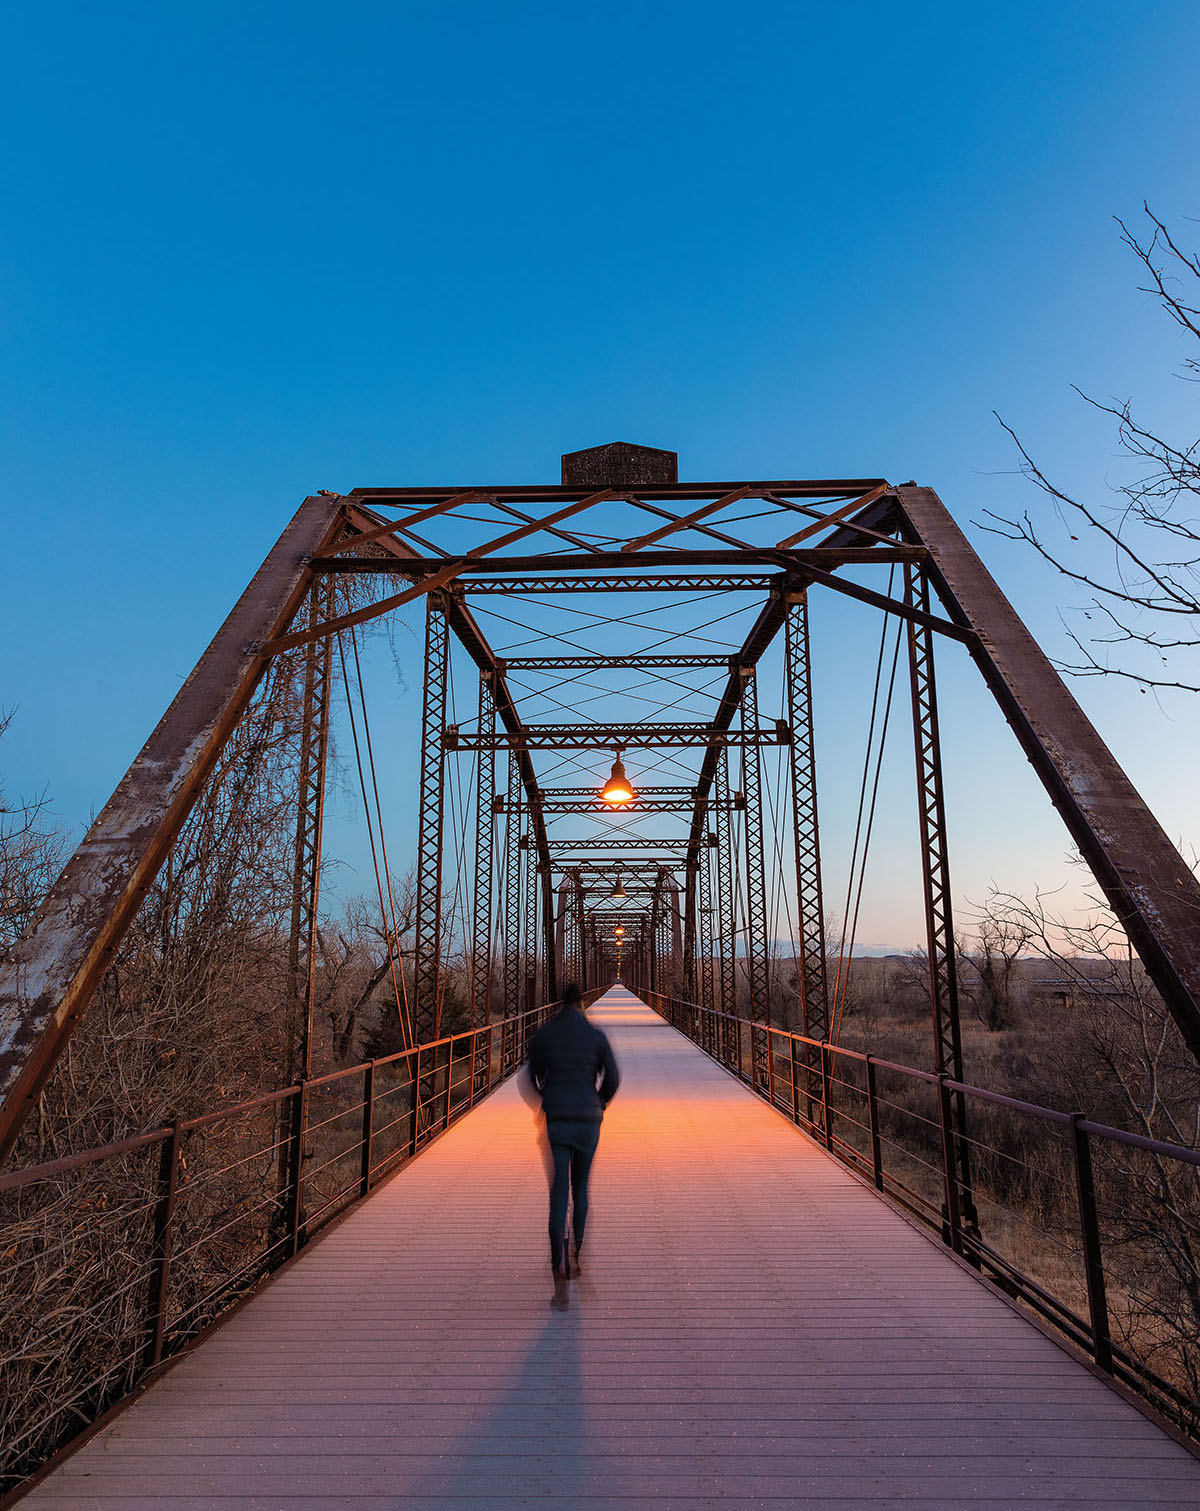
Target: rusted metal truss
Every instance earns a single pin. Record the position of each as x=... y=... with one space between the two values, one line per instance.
x=810 y=906
x=46 y=984
x=627 y=736
x=427 y=968
x=485 y=792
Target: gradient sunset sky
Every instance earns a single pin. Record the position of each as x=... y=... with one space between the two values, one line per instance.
x=254 y=250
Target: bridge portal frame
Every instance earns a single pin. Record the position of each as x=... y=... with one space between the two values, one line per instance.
x=47 y=983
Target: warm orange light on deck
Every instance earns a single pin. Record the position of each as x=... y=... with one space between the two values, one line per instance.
x=618 y=789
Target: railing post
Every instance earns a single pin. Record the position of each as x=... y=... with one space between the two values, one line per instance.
x=164 y=1233
x=414 y=1066
x=368 y=1128
x=873 y=1124
x=768 y=1035
x=1093 y=1259
x=474 y=1067
x=826 y=1110
x=296 y=1184
x=449 y=1083
x=794 y=1067
x=952 y=1233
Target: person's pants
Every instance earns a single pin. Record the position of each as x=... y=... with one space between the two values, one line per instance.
x=573 y=1146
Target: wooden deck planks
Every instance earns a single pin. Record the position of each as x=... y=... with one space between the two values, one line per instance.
x=752 y=1324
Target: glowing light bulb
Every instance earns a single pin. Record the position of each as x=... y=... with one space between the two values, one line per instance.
x=618 y=789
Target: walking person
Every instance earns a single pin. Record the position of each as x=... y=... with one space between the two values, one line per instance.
x=572 y=1066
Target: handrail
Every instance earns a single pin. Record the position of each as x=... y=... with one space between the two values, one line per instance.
x=268 y=1201
x=807 y=1078
x=1119 y=1135
x=16 y=1180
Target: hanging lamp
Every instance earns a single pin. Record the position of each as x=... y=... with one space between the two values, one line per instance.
x=618 y=789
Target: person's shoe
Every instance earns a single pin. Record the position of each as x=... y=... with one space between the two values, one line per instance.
x=561 y=1299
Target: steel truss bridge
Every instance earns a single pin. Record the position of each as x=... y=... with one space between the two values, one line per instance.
x=677 y=896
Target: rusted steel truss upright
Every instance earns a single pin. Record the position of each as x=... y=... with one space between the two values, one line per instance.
x=310 y=814
x=705 y=907
x=512 y=890
x=530 y=895
x=758 y=954
x=485 y=822
x=810 y=911
x=726 y=913
x=581 y=941
x=427 y=967
x=935 y=876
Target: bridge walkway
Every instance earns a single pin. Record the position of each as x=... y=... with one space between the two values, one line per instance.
x=753 y=1325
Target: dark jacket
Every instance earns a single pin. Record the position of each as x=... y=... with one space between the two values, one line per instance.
x=572 y=1065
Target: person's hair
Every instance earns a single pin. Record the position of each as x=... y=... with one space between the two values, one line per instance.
x=571 y=996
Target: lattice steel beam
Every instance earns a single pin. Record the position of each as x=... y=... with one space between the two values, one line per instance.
x=485 y=823
x=610 y=663
x=811 y=965
x=512 y=890
x=725 y=899
x=758 y=959
x=427 y=968
x=306 y=871
x=935 y=877
x=627 y=736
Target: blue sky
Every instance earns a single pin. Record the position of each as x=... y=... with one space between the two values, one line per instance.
x=255 y=250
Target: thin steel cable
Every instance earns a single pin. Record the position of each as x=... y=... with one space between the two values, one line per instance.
x=371 y=834
x=387 y=870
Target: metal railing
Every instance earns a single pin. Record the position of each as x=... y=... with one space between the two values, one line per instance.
x=117 y=1257
x=1064 y=1195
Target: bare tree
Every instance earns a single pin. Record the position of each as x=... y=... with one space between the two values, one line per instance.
x=989 y=969
x=32 y=851
x=1143 y=617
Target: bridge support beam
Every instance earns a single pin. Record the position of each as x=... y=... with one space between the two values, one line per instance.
x=485 y=823
x=512 y=890
x=427 y=967
x=726 y=920
x=810 y=907
x=757 y=948
x=310 y=814
x=939 y=919
x=705 y=904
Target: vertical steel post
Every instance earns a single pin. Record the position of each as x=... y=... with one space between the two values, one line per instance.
x=306 y=866
x=935 y=876
x=485 y=823
x=691 y=886
x=164 y=1236
x=811 y=966
x=299 y=1108
x=512 y=889
x=873 y=1125
x=550 y=974
x=531 y=923
x=705 y=994
x=427 y=966
x=1093 y=1259
x=368 y=1128
x=726 y=920
x=757 y=947
x=581 y=974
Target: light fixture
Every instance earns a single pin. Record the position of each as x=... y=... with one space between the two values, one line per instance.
x=618 y=892
x=618 y=789
x=619 y=931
